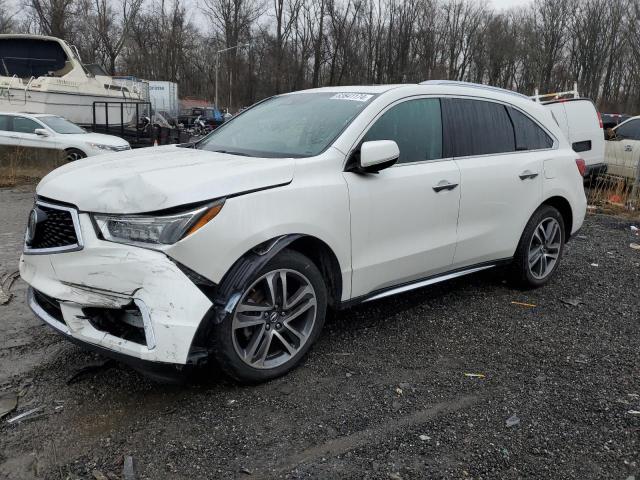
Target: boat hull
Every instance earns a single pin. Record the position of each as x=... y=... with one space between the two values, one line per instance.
x=76 y=107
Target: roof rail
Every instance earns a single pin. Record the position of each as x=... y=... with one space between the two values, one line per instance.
x=555 y=95
x=456 y=83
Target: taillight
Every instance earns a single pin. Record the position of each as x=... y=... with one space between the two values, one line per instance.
x=582 y=166
x=600 y=120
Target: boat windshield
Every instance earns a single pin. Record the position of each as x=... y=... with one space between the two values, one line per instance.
x=60 y=125
x=291 y=125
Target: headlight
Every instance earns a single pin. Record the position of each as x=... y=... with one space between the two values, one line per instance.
x=111 y=148
x=147 y=230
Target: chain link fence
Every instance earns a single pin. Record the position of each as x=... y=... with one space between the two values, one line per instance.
x=620 y=185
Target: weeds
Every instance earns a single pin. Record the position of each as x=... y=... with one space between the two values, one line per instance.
x=26 y=165
x=614 y=194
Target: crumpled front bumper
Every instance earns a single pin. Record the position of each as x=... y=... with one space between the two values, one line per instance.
x=111 y=276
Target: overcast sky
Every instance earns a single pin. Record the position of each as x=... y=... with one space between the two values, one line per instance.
x=500 y=4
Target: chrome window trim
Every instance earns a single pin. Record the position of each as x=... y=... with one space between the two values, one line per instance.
x=554 y=146
x=79 y=245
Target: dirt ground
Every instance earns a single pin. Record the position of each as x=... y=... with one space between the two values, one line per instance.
x=383 y=395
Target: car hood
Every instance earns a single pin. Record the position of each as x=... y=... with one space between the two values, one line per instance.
x=100 y=138
x=156 y=178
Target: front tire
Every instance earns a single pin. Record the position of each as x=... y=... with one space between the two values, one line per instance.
x=73 y=154
x=275 y=322
x=540 y=249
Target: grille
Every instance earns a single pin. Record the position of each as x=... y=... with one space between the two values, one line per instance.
x=57 y=230
x=122 y=148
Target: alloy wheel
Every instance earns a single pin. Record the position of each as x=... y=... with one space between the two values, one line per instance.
x=274 y=319
x=73 y=156
x=544 y=249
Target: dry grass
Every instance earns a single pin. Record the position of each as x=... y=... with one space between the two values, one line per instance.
x=26 y=165
x=616 y=195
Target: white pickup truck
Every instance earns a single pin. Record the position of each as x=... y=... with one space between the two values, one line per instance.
x=623 y=149
x=580 y=121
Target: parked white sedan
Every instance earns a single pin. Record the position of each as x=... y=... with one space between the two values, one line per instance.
x=235 y=247
x=51 y=131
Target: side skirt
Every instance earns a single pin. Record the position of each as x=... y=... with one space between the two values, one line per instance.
x=405 y=287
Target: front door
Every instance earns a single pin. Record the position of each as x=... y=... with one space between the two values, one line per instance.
x=24 y=128
x=404 y=219
x=624 y=151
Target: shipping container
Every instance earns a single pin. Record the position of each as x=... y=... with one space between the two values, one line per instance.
x=164 y=97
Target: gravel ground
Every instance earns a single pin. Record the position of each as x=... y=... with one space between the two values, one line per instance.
x=383 y=395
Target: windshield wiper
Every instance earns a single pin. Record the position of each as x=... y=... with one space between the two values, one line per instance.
x=231 y=152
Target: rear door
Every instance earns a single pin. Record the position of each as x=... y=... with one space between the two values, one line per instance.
x=7 y=136
x=585 y=134
x=501 y=170
x=404 y=218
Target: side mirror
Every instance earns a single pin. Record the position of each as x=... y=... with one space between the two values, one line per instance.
x=41 y=132
x=375 y=156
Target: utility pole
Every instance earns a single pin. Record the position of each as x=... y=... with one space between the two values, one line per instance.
x=240 y=45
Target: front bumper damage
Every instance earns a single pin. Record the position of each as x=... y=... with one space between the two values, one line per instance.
x=125 y=301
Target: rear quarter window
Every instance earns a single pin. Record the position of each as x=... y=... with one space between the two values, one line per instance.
x=528 y=134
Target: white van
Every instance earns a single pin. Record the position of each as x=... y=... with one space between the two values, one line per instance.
x=581 y=123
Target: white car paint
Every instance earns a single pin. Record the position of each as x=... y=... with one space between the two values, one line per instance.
x=384 y=229
x=89 y=144
x=579 y=120
x=623 y=151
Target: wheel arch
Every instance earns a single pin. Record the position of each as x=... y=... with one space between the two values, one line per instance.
x=564 y=207
x=227 y=293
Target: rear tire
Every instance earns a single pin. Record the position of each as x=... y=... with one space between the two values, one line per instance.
x=540 y=249
x=275 y=322
x=73 y=154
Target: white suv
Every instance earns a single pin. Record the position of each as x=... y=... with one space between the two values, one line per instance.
x=53 y=132
x=236 y=246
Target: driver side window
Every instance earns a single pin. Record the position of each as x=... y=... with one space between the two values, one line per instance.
x=415 y=125
x=24 y=125
x=630 y=130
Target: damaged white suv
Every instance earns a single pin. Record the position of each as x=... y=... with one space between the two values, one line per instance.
x=234 y=248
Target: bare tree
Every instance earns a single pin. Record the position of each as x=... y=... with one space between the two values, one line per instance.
x=6 y=18
x=53 y=16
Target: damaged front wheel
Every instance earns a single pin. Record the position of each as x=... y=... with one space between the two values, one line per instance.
x=275 y=322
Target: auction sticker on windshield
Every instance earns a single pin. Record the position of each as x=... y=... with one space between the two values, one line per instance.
x=356 y=97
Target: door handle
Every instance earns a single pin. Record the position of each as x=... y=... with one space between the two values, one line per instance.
x=628 y=148
x=528 y=174
x=444 y=185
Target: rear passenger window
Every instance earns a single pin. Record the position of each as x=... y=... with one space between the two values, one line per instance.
x=415 y=125
x=529 y=136
x=476 y=127
x=4 y=123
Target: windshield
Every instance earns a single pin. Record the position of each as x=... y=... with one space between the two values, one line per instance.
x=294 y=125
x=60 y=125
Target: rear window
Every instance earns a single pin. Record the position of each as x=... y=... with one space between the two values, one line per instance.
x=476 y=127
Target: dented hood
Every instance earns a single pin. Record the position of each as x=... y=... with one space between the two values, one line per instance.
x=152 y=179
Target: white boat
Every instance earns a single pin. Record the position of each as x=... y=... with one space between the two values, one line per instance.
x=40 y=74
